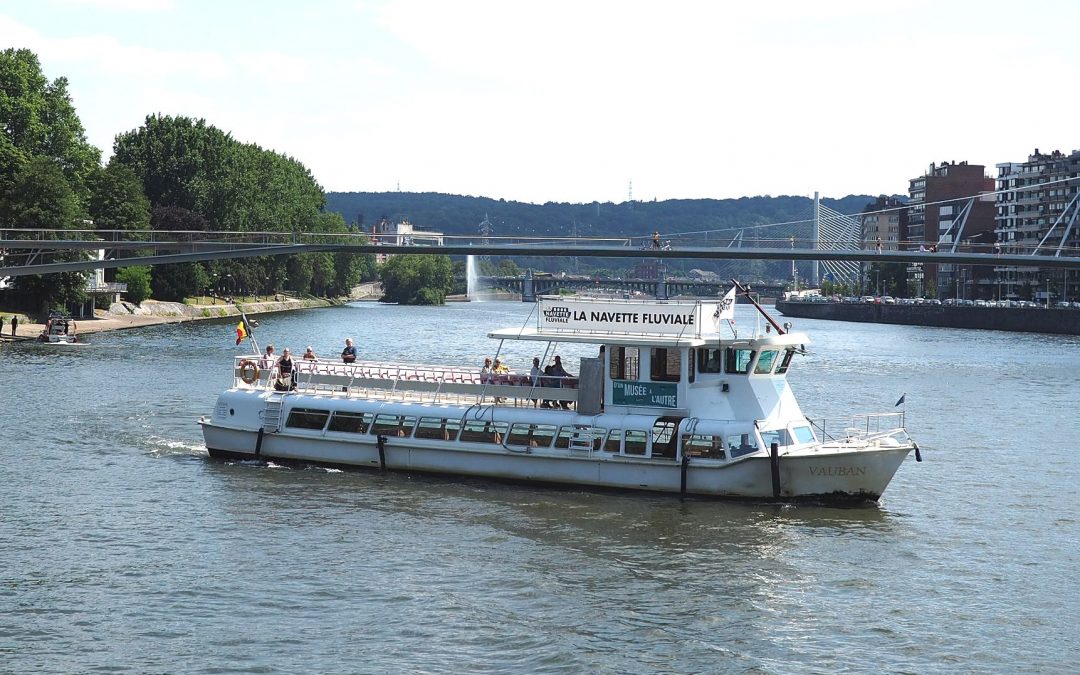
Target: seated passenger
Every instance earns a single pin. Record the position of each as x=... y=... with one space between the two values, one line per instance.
x=485 y=372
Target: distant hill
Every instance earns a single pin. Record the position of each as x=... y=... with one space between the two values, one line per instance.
x=674 y=218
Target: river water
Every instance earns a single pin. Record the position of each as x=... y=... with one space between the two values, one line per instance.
x=124 y=548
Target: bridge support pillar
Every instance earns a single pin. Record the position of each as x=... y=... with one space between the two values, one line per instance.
x=661 y=289
x=528 y=287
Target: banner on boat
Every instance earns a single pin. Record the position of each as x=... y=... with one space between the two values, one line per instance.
x=648 y=394
x=594 y=316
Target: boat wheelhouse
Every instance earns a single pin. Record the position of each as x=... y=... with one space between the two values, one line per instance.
x=667 y=404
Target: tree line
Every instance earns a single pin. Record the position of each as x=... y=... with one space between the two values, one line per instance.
x=171 y=173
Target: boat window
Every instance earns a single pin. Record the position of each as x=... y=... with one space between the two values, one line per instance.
x=531 y=435
x=614 y=440
x=307 y=418
x=480 y=431
x=705 y=446
x=803 y=434
x=664 y=364
x=635 y=442
x=438 y=428
x=625 y=363
x=740 y=444
x=562 y=440
x=356 y=423
x=778 y=436
x=393 y=425
x=663 y=435
x=783 y=367
x=738 y=360
x=708 y=360
x=765 y=362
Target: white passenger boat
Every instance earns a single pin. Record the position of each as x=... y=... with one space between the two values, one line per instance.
x=668 y=404
x=59 y=330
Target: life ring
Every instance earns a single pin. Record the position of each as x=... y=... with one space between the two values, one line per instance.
x=249 y=372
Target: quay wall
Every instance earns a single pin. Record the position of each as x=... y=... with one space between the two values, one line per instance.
x=1017 y=319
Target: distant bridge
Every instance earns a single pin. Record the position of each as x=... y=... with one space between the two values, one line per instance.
x=182 y=247
x=530 y=286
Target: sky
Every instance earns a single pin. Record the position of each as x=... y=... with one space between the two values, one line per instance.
x=580 y=101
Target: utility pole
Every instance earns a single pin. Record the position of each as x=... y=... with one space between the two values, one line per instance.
x=815 y=278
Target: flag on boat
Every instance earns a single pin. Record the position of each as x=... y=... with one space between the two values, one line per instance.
x=727 y=307
x=241 y=332
x=902 y=397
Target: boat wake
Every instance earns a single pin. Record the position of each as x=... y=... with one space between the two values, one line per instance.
x=165 y=447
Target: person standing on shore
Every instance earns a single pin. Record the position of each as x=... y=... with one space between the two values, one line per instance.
x=14 y=324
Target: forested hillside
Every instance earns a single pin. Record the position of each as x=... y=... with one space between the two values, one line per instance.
x=694 y=221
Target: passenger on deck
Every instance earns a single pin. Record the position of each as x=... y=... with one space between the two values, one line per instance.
x=485 y=372
x=558 y=371
x=286 y=372
x=500 y=368
x=534 y=377
x=348 y=355
x=548 y=381
x=268 y=358
x=309 y=354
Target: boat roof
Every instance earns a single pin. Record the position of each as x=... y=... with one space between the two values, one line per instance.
x=632 y=340
x=635 y=322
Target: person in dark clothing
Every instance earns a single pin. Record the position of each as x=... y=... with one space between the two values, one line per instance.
x=348 y=355
x=286 y=372
x=14 y=325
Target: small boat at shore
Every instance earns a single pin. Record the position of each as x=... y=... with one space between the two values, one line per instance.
x=59 y=330
x=668 y=404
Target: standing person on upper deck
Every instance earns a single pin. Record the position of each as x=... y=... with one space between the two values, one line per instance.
x=348 y=355
x=559 y=372
x=656 y=239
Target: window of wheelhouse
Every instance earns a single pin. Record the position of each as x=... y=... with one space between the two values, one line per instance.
x=765 y=362
x=785 y=362
x=664 y=364
x=738 y=360
x=625 y=362
x=709 y=359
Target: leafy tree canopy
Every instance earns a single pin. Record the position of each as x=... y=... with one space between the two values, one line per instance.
x=38 y=118
x=416 y=279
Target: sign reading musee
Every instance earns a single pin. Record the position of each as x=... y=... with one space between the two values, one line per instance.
x=651 y=318
x=649 y=394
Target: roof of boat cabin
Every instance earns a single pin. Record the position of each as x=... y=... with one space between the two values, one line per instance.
x=648 y=340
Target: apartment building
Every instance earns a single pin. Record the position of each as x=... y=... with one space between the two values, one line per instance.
x=1038 y=212
x=948 y=204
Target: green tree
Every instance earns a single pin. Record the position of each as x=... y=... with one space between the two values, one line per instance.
x=416 y=279
x=44 y=200
x=137 y=278
x=117 y=201
x=39 y=119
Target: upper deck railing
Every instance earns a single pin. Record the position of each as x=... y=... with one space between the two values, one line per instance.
x=405 y=382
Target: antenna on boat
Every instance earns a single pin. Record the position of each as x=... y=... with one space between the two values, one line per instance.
x=745 y=291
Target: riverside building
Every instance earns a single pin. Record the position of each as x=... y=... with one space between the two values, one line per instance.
x=1038 y=203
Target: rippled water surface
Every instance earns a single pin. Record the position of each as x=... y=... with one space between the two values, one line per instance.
x=123 y=547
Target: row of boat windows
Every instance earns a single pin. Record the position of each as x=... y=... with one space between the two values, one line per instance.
x=665 y=365
x=628 y=441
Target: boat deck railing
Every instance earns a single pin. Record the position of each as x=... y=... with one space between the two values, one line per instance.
x=860 y=427
x=408 y=382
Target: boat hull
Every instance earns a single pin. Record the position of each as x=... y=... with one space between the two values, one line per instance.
x=847 y=477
